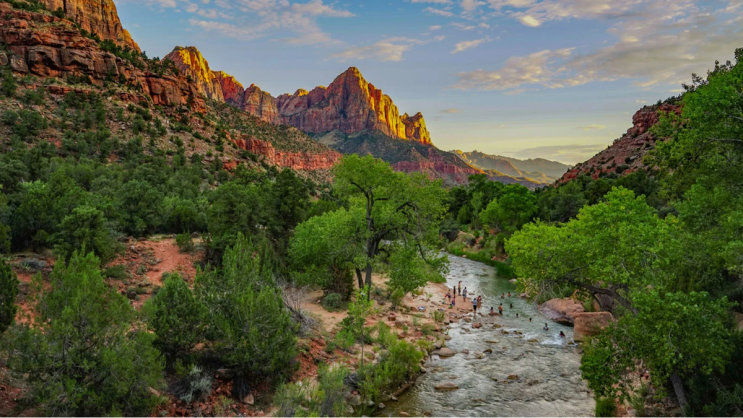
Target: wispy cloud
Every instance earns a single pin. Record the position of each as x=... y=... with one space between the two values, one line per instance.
x=450 y=111
x=388 y=49
x=592 y=127
x=465 y=45
x=439 y=12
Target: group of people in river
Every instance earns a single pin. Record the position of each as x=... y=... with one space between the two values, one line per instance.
x=451 y=296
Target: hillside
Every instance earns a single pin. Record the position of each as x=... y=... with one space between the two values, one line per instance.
x=626 y=154
x=538 y=170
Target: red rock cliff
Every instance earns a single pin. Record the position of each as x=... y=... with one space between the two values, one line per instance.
x=96 y=16
x=261 y=104
x=625 y=155
x=232 y=90
x=191 y=63
x=294 y=160
x=415 y=128
x=47 y=46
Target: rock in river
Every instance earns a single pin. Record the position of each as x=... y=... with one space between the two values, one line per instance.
x=447 y=386
x=446 y=352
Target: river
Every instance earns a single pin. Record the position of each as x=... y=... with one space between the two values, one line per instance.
x=549 y=381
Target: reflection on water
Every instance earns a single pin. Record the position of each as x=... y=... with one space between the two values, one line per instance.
x=548 y=383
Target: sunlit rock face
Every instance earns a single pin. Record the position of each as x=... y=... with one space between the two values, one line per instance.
x=191 y=63
x=350 y=104
x=99 y=17
x=232 y=90
x=294 y=160
x=261 y=104
x=626 y=154
x=47 y=46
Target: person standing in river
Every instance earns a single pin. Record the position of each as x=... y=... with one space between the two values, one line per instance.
x=474 y=305
x=464 y=292
x=460 y=288
x=500 y=309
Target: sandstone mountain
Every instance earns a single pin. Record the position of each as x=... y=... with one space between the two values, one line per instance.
x=99 y=17
x=349 y=104
x=539 y=170
x=626 y=154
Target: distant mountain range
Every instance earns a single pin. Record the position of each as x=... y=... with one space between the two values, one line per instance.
x=537 y=170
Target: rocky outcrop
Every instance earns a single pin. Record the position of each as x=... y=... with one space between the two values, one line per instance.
x=261 y=104
x=191 y=63
x=587 y=324
x=415 y=128
x=561 y=310
x=349 y=104
x=626 y=154
x=99 y=17
x=47 y=46
x=295 y=160
x=232 y=90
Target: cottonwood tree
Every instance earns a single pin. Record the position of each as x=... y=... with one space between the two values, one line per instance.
x=387 y=211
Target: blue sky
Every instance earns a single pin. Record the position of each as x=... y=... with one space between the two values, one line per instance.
x=557 y=79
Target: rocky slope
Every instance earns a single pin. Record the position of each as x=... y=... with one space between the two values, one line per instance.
x=47 y=46
x=191 y=63
x=99 y=17
x=626 y=154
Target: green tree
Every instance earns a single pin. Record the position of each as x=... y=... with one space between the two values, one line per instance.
x=395 y=206
x=675 y=334
x=246 y=316
x=515 y=207
x=176 y=317
x=86 y=359
x=84 y=229
x=408 y=271
x=8 y=293
x=358 y=310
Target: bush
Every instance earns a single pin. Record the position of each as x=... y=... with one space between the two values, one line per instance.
x=117 y=272
x=326 y=399
x=84 y=229
x=605 y=407
x=332 y=302
x=195 y=387
x=176 y=318
x=262 y=347
x=8 y=85
x=396 y=297
x=71 y=372
x=184 y=242
x=8 y=293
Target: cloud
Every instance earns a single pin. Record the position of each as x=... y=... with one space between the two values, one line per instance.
x=499 y=126
x=591 y=127
x=450 y=111
x=658 y=42
x=390 y=49
x=432 y=1
x=470 y=5
x=465 y=45
x=517 y=71
x=571 y=154
x=434 y=27
x=463 y=26
x=529 y=21
x=252 y=19
x=439 y=12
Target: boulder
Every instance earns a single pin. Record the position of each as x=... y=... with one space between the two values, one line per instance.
x=476 y=325
x=513 y=377
x=403 y=414
x=446 y=352
x=561 y=310
x=590 y=323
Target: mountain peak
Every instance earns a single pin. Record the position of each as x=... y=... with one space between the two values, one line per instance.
x=95 y=16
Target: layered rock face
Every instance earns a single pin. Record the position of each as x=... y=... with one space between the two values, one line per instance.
x=232 y=90
x=261 y=104
x=349 y=104
x=626 y=154
x=561 y=310
x=294 y=160
x=96 y=16
x=588 y=324
x=47 y=46
x=415 y=128
x=191 y=63
x=435 y=165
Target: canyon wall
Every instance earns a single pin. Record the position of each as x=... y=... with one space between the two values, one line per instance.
x=99 y=17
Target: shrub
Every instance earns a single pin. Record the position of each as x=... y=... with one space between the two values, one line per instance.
x=71 y=372
x=117 y=272
x=84 y=229
x=32 y=264
x=8 y=85
x=438 y=316
x=264 y=346
x=332 y=302
x=605 y=407
x=396 y=297
x=195 y=387
x=325 y=399
x=184 y=242
x=8 y=293
x=176 y=318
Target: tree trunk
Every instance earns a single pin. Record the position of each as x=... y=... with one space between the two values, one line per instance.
x=678 y=387
x=359 y=278
x=368 y=280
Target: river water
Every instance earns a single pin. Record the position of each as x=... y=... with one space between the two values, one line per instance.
x=548 y=384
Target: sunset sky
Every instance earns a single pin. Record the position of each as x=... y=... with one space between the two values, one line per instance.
x=558 y=79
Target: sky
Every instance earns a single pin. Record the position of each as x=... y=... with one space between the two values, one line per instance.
x=556 y=79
